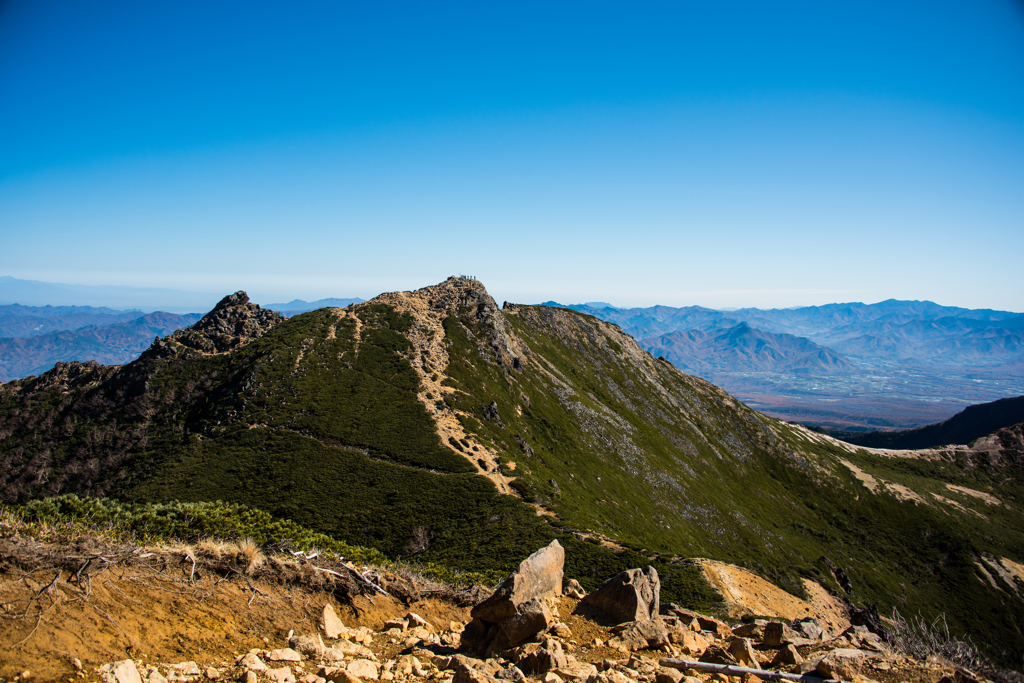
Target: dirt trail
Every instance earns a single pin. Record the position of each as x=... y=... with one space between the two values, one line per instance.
x=428 y=308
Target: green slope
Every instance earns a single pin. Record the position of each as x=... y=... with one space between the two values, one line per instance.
x=318 y=420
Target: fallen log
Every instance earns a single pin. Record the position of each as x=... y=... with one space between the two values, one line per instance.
x=730 y=670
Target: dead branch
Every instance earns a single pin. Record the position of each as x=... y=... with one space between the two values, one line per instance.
x=738 y=671
x=255 y=591
x=362 y=579
x=44 y=589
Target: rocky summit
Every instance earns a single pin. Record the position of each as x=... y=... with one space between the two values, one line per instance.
x=438 y=428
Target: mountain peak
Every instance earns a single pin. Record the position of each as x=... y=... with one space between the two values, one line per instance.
x=239 y=298
x=233 y=323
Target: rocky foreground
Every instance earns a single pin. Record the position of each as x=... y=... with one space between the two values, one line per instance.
x=535 y=627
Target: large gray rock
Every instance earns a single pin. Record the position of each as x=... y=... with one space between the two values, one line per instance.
x=530 y=619
x=640 y=635
x=333 y=628
x=843 y=663
x=743 y=651
x=545 y=658
x=808 y=628
x=774 y=634
x=633 y=595
x=539 y=576
x=787 y=656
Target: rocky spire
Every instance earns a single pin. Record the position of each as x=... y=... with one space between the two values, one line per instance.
x=233 y=323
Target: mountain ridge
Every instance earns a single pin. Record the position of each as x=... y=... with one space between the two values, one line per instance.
x=406 y=418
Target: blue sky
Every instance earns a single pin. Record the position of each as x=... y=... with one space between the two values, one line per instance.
x=721 y=154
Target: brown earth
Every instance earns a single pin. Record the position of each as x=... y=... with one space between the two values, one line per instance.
x=99 y=602
x=151 y=606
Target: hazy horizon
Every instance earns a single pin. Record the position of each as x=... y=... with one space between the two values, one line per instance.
x=107 y=296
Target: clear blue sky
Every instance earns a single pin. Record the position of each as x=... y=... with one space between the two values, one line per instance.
x=723 y=154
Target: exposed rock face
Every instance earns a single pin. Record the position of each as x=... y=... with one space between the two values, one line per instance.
x=233 y=323
x=633 y=595
x=539 y=576
x=516 y=611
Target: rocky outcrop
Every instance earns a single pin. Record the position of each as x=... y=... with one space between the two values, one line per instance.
x=539 y=576
x=632 y=595
x=233 y=323
x=517 y=611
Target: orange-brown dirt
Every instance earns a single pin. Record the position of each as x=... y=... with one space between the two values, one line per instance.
x=157 y=609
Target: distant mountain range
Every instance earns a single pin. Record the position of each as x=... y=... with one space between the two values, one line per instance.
x=296 y=306
x=34 y=339
x=851 y=365
x=744 y=348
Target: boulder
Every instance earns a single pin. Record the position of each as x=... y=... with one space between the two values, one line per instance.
x=252 y=662
x=689 y=642
x=307 y=645
x=632 y=595
x=774 y=634
x=124 y=671
x=639 y=635
x=743 y=651
x=285 y=654
x=153 y=675
x=333 y=628
x=363 y=668
x=545 y=658
x=716 y=654
x=530 y=618
x=808 y=628
x=539 y=576
x=787 y=656
x=186 y=669
x=844 y=663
